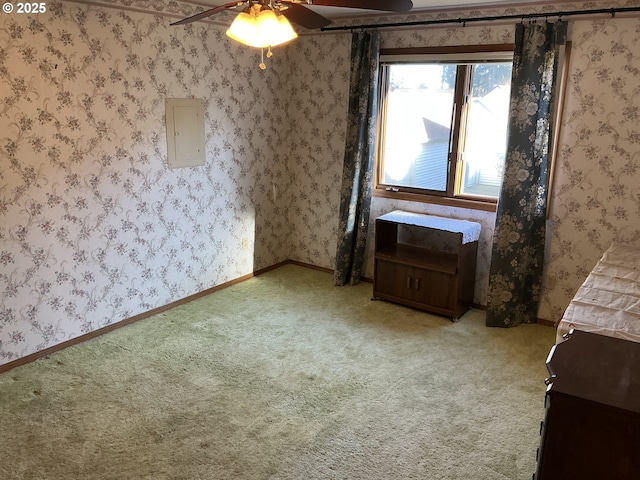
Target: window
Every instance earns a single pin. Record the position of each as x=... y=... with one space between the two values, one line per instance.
x=443 y=123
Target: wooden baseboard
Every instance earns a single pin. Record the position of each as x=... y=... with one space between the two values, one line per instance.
x=541 y=321
x=547 y=323
x=128 y=321
x=273 y=267
x=308 y=265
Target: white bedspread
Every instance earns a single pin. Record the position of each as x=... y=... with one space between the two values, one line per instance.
x=608 y=302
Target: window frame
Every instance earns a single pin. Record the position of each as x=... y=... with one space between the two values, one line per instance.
x=448 y=198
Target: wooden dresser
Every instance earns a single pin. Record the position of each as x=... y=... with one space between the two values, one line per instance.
x=591 y=429
x=426 y=262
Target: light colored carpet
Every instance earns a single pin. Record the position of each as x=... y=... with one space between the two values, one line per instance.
x=283 y=376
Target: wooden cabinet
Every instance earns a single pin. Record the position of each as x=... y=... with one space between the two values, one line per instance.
x=591 y=429
x=415 y=286
x=426 y=262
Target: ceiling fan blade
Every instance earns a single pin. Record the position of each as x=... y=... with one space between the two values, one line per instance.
x=304 y=17
x=207 y=13
x=385 y=5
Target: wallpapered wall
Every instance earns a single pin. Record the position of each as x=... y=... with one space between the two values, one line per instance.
x=596 y=198
x=318 y=109
x=94 y=228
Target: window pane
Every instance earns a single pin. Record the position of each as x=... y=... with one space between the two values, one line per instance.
x=486 y=134
x=418 y=125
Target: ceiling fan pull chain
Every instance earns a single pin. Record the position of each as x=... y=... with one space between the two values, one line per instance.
x=262 y=64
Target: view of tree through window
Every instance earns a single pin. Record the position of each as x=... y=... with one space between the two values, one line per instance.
x=426 y=141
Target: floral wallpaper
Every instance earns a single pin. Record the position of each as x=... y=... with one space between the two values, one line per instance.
x=95 y=228
x=319 y=99
x=595 y=194
x=320 y=93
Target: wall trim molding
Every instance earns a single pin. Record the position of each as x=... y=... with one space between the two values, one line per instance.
x=144 y=315
x=128 y=321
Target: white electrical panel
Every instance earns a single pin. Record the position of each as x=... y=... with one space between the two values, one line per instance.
x=185 y=132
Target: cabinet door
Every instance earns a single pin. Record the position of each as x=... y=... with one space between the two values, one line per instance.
x=436 y=289
x=394 y=279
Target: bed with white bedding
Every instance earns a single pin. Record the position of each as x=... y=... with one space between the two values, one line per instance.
x=608 y=302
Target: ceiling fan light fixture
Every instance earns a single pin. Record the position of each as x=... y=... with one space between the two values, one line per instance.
x=267 y=27
x=243 y=29
x=286 y=31
x=261 y=27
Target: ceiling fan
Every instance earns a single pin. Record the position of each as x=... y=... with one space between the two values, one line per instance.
x=265 y=23
x=296 y=12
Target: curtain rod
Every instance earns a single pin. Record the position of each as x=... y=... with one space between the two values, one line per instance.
x=527 y=16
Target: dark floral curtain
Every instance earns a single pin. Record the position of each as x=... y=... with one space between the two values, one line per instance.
x=357 y=172
x=517 y=257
